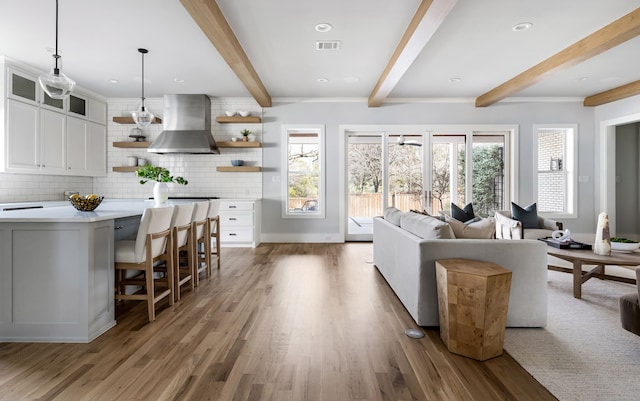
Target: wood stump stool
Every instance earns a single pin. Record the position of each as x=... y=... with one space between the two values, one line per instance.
x=473 y=298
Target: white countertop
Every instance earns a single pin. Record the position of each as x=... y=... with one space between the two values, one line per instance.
x=57 y=212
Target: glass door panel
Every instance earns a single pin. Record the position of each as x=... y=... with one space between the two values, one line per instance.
x=488 y=174
x=365 y=174
x=405 y=183
x=448 y=183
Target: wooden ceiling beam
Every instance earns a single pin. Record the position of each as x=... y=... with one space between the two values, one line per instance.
x=425 y=22
x=210 y=19
x=621 y=92
x=619 y=31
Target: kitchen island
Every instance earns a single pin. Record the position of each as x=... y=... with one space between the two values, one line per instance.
x=56 y=271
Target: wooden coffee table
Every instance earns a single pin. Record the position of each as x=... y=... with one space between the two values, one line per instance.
x=581 y=258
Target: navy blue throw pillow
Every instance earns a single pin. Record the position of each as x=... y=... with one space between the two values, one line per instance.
x=527 y=216
x=462 y=215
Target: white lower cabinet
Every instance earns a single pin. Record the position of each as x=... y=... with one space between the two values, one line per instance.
x=239 y=222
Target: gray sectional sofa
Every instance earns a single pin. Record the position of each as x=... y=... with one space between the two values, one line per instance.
x=406 y=246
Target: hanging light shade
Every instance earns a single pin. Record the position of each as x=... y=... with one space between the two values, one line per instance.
x=55 y=83
x=142 y=117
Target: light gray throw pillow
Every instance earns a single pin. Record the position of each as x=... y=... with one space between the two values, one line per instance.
x=482 y=229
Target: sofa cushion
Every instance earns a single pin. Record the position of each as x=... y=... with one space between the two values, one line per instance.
x=536 y=233
x=425 y=227
x=482 y=229
x=424 y=212
x=464 y=214
x=392 y=215
x=528 y=216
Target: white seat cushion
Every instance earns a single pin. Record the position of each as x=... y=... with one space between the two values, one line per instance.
x=125 y=251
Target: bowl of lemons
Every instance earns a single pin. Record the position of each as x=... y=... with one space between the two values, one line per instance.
x=85 y=203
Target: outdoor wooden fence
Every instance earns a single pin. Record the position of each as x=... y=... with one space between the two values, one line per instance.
x=370 y=205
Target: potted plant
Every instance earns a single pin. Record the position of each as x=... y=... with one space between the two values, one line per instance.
x=245 y=135
x=161 y=176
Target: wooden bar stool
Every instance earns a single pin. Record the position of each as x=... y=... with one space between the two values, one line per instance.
x=200 y=239
x=182 y=253
x=151 y=246
x=214 y=230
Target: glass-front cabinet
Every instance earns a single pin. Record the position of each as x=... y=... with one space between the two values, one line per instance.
x=25 y=88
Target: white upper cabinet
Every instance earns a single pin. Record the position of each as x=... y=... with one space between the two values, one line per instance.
x=41 y=135
x=86 y=148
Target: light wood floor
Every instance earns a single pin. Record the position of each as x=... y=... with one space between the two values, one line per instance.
x=280 y=322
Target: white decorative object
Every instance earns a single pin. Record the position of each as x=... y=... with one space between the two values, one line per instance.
x=161 y=192
x=244 y=113
x=602 y=244
x=252 y=137
x=561 y=236
x=132 y=161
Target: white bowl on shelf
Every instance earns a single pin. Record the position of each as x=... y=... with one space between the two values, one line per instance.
x=244 y=113
x=624 y=246
x=230 y=113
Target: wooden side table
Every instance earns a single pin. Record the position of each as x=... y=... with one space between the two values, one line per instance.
x=473 y=298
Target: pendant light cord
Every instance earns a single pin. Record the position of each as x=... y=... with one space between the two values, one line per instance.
x=142 y=51
x=56 y=56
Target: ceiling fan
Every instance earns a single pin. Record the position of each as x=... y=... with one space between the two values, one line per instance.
x=401 y=141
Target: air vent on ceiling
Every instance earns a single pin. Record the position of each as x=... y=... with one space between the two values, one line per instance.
x=327 y=45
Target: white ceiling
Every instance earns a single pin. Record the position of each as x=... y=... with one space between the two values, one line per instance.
x=99 y=41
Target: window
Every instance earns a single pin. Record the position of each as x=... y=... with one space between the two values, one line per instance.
x=556 y=169
x=304 y=171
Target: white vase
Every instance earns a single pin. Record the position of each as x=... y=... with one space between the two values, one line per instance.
x=252 y=138
x=161 y=192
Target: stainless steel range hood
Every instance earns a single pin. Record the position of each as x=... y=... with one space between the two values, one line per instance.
x=187 y=126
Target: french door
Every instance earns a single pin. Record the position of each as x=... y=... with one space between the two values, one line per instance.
x=423 y=171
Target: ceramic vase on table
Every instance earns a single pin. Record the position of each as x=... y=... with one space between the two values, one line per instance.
x=161 y=192
x=602 y=244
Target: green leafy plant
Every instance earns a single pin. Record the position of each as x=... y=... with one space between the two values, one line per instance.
x=245 y=132
x=623 y=240
x=159 y=174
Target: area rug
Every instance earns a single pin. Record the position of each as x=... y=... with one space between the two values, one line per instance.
x=583 y=354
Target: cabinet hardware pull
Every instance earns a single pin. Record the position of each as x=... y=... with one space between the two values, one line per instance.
x=232 y=234
x=118 y=227
x=232 y=207
x=232 y=219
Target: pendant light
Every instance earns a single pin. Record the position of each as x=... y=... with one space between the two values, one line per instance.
x=142 y=117
x=55 y=83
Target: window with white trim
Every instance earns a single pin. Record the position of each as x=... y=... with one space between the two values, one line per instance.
x=556 y=169
x=304 y=171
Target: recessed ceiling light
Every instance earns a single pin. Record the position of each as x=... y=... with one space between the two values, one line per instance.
x=322 y=80
x=114 y=81
x=351 y=80
x=523 y=26
x=454 y=80
x=583 y=78
x=178 y=80
x=324 y=27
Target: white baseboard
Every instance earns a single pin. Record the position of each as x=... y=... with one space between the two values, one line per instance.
x=302 y=238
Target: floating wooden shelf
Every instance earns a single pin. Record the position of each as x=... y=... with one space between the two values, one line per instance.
x=129 y=120
x=131 y=144
x=239 y=169
x=125 y=169
x=239 y=144
x=238 y=120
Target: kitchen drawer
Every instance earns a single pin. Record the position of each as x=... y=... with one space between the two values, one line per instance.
x=236 y=219
x=126 y=227
x=244 y=234
x=232 y=206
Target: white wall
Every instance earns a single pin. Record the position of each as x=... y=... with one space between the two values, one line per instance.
x=334 y=114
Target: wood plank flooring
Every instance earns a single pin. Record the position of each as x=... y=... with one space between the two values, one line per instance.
x=280 y=322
